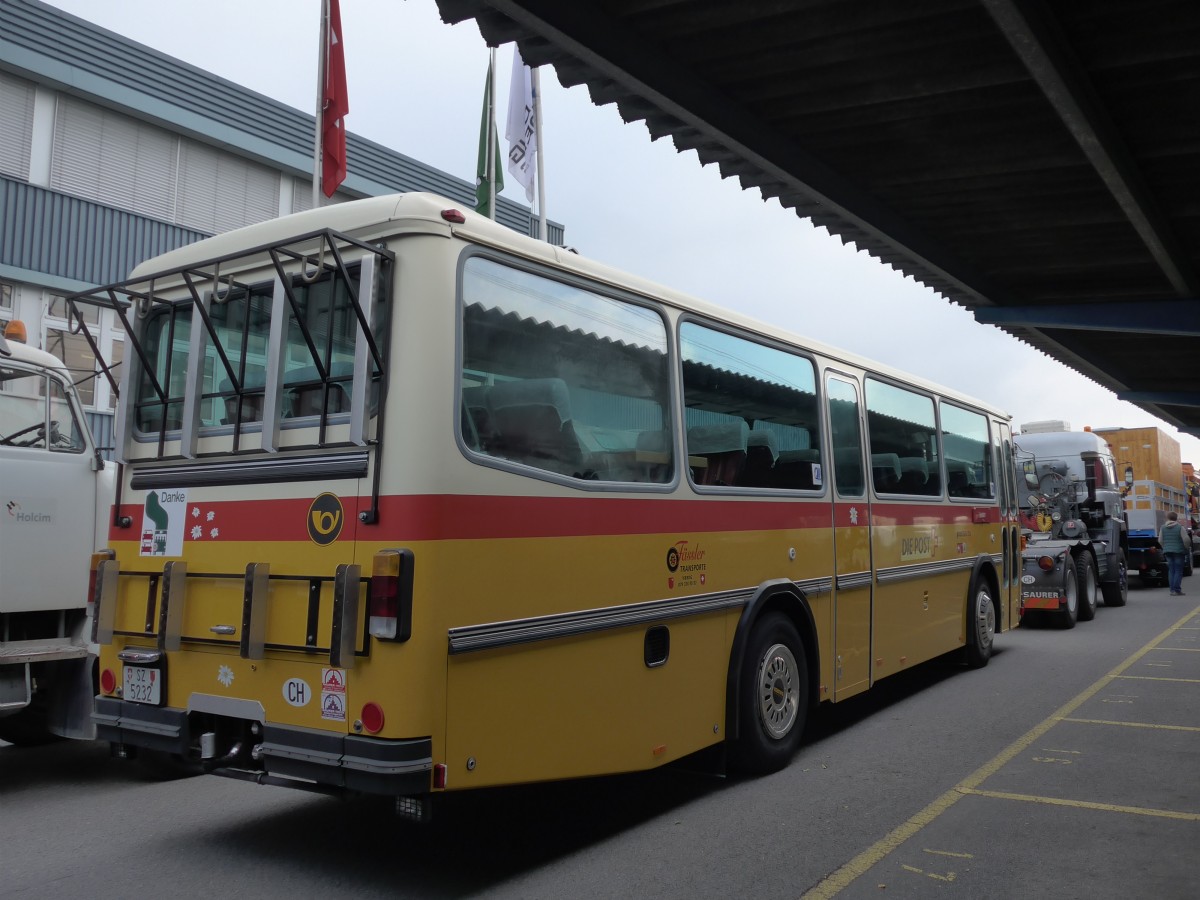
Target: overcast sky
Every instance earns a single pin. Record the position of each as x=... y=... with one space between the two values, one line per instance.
x=416 y=85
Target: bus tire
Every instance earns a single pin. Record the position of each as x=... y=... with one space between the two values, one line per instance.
x=1116 y=592
x=773 y=690
x=1067 y=617
x=981 y=622
x=1089 y=586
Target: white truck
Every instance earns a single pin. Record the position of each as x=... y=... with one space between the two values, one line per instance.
x=1075 y=543
x=56 y=493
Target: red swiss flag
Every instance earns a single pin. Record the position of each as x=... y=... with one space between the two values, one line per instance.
x=334 y=106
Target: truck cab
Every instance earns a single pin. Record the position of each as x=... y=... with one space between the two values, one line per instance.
x=1074 y=534
x=55 y=494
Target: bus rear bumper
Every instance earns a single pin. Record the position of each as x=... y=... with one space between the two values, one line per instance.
x=344 y=762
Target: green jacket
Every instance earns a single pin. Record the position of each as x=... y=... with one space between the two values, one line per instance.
x=1174 y=538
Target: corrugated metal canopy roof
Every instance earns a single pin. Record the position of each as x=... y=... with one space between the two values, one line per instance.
x=1038 y=163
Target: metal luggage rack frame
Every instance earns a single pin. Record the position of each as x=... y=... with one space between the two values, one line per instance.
x=167 y=595
x=133 y=300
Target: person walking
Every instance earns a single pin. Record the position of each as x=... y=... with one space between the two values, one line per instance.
x=1175 y=543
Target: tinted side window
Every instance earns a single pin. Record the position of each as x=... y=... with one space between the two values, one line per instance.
x=968 y=460
x=751 y=413
x=903 y=436
x=563 y=379
x=846 y=438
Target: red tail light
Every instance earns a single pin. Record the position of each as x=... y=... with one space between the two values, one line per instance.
x=389 y=597
x=108 y=681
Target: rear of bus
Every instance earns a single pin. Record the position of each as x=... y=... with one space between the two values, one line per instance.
x=241 y=592
x=325 y=574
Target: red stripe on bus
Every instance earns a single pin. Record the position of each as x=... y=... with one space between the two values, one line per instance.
x=473 y=517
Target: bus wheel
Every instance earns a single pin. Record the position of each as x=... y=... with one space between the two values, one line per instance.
x=1068 y=616
x=1117 y=592
x=1088 y=585
x=773 y=697
x=981 y=623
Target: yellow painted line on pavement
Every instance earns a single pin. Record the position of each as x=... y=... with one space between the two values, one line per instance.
x=1135 y=724
x=834 y=883
x=1156 y=678
x=1084 y=804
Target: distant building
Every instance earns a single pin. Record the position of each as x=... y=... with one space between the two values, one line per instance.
x=111 y=153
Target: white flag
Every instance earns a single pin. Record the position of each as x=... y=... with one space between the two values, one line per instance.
x=519 y=131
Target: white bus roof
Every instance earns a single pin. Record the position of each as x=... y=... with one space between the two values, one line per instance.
x=371 y=216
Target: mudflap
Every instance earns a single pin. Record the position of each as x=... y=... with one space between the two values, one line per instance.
x=69 y=704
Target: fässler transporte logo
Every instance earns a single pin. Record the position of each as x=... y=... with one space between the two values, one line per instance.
x=325 y=517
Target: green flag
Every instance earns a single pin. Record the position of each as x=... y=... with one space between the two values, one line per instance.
x=488 y=169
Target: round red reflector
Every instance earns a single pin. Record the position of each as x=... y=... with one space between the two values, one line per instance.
x=372 y=717
x=108 y=681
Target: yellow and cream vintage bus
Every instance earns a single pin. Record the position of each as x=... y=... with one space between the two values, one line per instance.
x=411 y=503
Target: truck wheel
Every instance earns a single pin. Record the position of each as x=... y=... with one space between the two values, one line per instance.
x=981 y=623
x=1116 y=592
x=773 y=697
x=1068 y=616
x=1088 y=584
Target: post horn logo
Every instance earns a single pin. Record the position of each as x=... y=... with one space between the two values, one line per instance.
x=325 y=516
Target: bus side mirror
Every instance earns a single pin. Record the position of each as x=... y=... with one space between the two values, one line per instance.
x=1129 y=476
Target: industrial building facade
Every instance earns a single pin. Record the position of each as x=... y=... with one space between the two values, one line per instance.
x=103 y=166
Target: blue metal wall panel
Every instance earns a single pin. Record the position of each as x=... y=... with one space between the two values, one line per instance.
x=56 y=234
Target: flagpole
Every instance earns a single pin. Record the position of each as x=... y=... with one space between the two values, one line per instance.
x=492 y=138
x=317 y=147
x=537 y=125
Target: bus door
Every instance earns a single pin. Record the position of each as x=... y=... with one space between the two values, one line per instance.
x=853 y=581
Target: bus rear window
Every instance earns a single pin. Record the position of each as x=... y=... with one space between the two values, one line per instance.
x=233 y=381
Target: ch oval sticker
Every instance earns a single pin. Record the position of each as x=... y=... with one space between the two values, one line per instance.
x=325 y=516
x=296 y=692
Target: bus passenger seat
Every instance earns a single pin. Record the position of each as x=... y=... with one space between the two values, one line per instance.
x=914 y=473
x=761 y=456
x=794 y=469
x=723 y=448
x=958 y=479
x=885 y=472
x=533 y=424
x=652 y=456
x=252 y=396
x=475 y=402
